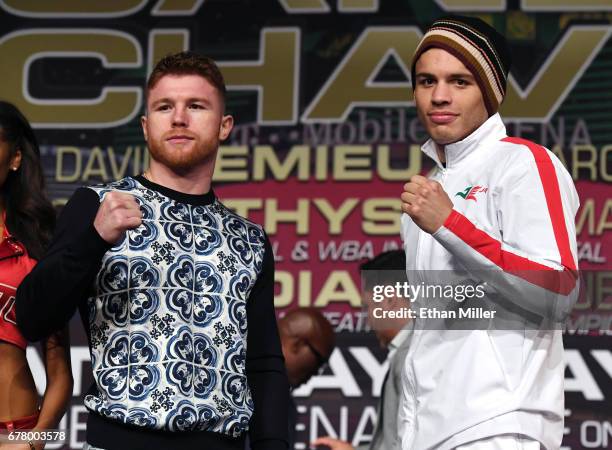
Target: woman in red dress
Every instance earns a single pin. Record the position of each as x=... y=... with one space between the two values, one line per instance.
x=26 y=223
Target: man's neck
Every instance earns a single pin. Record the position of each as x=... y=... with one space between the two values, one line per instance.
x=196 y=181
x=441 y=153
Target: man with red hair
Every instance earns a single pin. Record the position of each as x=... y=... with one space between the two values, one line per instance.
x=175 y=290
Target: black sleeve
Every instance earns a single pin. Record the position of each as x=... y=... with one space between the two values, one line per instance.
x=265 y=365
x=50 y=294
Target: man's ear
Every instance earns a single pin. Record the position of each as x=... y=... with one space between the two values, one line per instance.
x=296 y=344
x=227 y=123
x=143 y=124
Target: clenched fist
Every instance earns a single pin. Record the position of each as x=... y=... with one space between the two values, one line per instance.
x=426 y=203
x=118 y=212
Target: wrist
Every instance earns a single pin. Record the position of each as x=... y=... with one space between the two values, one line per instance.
x=447 y=214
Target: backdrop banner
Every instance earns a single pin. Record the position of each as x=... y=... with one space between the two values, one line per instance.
x=326 y=136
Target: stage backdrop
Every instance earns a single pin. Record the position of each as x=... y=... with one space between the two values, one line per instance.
x=326 y=137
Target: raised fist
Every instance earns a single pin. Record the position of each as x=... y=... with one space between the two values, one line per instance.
x=118 y=212
x=426 y=203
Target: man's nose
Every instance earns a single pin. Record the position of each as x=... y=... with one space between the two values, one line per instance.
x=441 y=94
x=179 y=117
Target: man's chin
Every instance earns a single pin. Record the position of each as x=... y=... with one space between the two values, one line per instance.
x=183 y=162
x=443 y=140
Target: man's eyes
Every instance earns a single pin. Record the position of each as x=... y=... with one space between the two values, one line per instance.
x=426 y=81
x=430 y=82
x=167 y=107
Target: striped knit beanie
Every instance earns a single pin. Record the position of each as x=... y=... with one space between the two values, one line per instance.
x=479 y=47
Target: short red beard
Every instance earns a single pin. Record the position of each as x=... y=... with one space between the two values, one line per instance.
x=180 y=161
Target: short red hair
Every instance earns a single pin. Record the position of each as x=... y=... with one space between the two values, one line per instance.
x=188 y=63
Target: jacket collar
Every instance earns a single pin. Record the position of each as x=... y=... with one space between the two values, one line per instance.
x=399 y=339
x=492 y=129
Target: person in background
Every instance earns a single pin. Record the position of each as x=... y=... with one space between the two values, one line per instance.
x=307 y=340
x=26 y=224
x=393 y=335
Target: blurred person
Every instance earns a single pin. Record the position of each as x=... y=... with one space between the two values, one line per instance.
x=393 y=335
x=174 y=289
x=26 y=223
x=307 y=340
x=498 y=211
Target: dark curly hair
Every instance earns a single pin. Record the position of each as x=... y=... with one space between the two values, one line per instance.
x=188 y=63
x=30 y=216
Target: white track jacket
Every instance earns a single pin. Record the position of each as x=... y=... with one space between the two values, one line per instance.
x=512 y=224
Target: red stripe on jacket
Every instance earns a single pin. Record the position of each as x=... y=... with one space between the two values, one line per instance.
x=562 y=282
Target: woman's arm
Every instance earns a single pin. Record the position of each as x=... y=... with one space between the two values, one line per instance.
x=56 y=353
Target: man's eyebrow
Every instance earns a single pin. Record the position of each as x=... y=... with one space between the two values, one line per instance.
x=204 y=100
x=161 y=100
x=467 y=75
x=189 y=100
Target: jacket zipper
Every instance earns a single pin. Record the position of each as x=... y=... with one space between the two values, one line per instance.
x=411 y=381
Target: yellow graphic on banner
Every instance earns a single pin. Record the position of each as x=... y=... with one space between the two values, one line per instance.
x=352 y=83
x=357 y=6
x=176 y=7
x=305 y=6
x=274 y=76
x=165 y=41
x=520 y=26
x=554 y=80
x=42 y=9
x=596 y=223
x=566 y=5
x=114 y=106
x=472 y=5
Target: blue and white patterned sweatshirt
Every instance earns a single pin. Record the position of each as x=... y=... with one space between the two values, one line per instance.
x=179 y=316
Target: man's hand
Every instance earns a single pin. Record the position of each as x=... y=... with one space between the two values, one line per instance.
x=426 y=203
x=333 y=444
x=118 y=212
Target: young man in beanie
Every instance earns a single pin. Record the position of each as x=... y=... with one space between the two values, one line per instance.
x=498 y=212
x=174 y=289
